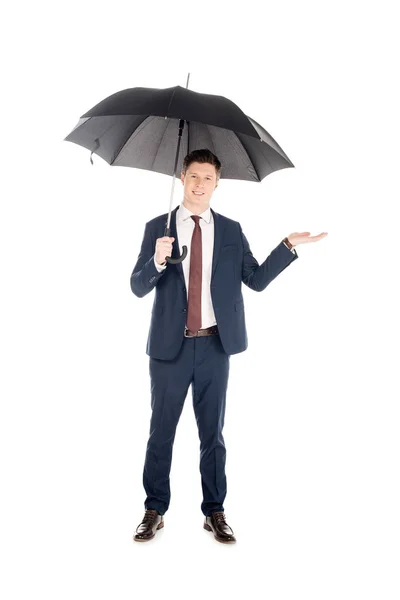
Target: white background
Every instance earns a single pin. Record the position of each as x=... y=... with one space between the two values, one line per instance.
x=312 y=417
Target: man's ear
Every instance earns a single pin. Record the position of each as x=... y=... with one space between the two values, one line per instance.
x=182 y=177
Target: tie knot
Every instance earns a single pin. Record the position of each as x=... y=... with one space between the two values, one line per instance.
x=196 y=219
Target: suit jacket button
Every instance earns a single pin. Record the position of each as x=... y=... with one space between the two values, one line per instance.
x=184 y=310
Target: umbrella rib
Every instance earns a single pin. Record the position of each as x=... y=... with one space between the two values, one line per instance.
x=159 y=146
x=264 y=154
x=130 y=134
x=247 y=154
x=273 y=169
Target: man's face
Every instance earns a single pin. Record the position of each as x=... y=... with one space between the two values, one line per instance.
x=199 y=183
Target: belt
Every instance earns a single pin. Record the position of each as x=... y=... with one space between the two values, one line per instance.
x=201 y=332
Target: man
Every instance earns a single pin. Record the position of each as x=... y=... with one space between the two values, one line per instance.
x=197 y=322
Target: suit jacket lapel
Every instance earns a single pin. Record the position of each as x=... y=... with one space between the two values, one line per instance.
x=218 y=236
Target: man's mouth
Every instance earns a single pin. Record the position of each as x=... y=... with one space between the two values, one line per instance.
x=198 y=193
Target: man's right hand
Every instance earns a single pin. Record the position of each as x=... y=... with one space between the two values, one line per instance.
x=163 y=249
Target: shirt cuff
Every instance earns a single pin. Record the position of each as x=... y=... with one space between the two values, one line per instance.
x=159 y=268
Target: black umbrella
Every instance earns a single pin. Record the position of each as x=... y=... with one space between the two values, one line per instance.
x=145 y=128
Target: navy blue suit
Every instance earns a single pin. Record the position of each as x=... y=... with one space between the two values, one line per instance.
x=176 y=362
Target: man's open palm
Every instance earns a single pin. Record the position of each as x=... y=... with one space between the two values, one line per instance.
x=305 y=237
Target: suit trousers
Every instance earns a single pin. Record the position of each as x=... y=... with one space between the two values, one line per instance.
x=202 y=362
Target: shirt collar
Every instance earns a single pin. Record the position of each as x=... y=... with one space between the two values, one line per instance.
x=183 y=213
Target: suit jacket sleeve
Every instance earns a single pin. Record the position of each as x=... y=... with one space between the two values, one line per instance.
x=256 y=276
x=145 y=275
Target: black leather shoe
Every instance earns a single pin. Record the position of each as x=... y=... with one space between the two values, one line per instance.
x=221 y=530
x=146 y=530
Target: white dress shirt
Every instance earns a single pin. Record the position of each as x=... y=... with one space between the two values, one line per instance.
x=185 y=227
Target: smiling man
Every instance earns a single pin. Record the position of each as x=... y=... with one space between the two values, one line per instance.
x=198 y=321
x=199 y=182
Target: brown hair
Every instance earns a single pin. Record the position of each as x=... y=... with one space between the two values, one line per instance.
x=204 y=155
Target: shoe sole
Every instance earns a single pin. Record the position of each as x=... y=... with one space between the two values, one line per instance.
x=208 y=528
x=147 y=539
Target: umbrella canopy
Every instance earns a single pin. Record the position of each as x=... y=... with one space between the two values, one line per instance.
x=138 y=127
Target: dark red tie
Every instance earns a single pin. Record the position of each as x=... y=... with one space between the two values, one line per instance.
x=194 y=294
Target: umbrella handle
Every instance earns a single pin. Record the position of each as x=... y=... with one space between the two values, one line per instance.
x=175 y=261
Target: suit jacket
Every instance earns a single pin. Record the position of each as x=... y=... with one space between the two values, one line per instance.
x=233 y=263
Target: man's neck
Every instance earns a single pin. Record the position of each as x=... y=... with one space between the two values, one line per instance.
x=196 y=210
